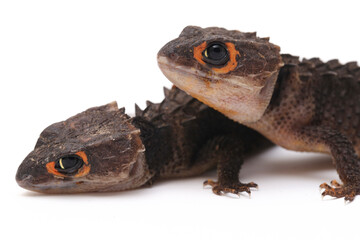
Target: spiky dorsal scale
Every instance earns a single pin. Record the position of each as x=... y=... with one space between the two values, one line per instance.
x=312 y=63
x=335 y=88
x=150 y=111
x=148 y=103
x=122 y=110
x=138 y=111
x=166 y=92
x=333 y=64
x=289 y=59
x=311 y=69
x=251 y=35
x=351 y=66
x=176 y=105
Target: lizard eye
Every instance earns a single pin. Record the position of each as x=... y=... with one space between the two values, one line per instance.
x=216 y=54
x=69 y=164
x=74 y=165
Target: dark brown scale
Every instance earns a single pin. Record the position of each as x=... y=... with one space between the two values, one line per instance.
x=331 y=92
x=334 y=64
x=351 y=66
x=337 y=95
x=289 y=59
x=178 y=137
x=357 y=74
x=181 y=135
x=313 y=104
x=312 y=63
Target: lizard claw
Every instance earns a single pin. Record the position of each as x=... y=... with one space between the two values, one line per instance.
x=347 y=191
x=334 y=183
x=236 y=188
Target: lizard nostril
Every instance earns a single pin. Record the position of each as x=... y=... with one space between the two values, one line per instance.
x=25 y=177
x=26 y=181
x=172 y=55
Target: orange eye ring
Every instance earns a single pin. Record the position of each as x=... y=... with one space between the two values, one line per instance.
x=198 y=50
x=231 y=64
x=84 y=170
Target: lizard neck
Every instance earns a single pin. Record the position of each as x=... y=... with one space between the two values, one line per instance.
x=291 y=106
x=156 y=147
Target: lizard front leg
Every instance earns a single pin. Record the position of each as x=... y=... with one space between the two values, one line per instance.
x=228 y=152
x=346 y=161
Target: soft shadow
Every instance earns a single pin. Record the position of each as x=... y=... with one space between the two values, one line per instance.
x=258 y=166
x=300 y=166
x=294 y=165
x=128 y=193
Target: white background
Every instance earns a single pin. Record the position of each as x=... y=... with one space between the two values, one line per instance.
x=58 y=58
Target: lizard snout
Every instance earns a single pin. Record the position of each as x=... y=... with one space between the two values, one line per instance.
x=24 y=180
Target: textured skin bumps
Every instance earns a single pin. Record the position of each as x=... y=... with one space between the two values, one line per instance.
x=182 y=137
x=311 y=92
x=317 y=105
x=112 y=145
x=313 y=106
x=178 y=137
x=246 y=80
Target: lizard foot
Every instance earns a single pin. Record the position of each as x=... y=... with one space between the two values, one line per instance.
x=234 y=188
x=347 y=191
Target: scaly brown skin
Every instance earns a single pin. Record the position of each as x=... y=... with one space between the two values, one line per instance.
x=178 y=137
x=303 y=105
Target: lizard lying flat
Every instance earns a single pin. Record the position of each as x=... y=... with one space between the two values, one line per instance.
x=103 y=149
x=303 y=105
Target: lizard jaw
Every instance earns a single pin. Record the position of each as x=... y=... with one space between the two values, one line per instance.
x=115 y=154
x=243 y=99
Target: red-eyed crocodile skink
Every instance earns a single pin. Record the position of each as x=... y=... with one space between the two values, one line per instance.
x=103 y=149
x=306 y=105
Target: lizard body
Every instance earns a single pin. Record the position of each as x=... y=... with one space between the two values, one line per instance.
x=303 y=105
x=103 y=149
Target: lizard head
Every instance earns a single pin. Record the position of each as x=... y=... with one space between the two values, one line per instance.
x=96 y=150
x=231 y=71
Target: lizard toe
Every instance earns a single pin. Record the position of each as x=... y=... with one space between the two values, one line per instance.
x=336 y=190
x=235 y=188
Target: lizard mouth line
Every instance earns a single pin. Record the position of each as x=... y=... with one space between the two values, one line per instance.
x=176 y=73
x=166 y=65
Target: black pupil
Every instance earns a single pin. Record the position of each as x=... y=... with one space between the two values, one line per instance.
x=216 y=52
x=69 y=164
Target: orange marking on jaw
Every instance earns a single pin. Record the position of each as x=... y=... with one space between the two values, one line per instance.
x=198 y=52
x=232 y=63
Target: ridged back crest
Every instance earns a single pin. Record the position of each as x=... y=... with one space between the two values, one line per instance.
x=335 y=88
x=176 y=105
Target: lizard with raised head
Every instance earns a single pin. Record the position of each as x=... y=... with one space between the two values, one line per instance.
x=103 y=149
x=306 y=105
